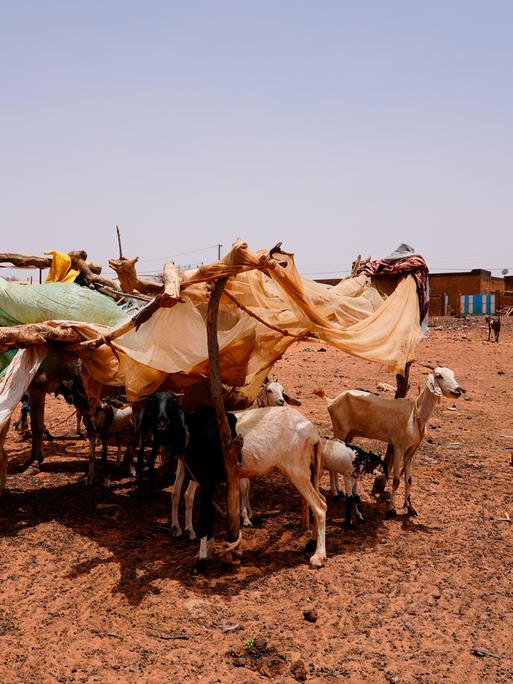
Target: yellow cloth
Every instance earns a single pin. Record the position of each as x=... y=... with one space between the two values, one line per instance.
x=61 y=270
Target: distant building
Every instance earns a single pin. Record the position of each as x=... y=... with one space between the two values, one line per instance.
x=472 y=292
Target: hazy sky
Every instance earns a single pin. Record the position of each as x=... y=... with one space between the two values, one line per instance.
x=337 y=127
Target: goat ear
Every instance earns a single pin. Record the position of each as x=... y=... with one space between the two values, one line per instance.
x=291 y=400
x=266 y=381
x=433 y=386
x=463 y=391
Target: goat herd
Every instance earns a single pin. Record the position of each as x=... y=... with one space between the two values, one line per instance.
x=273 y=435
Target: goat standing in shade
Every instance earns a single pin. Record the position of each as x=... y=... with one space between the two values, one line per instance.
x=163 y=418
x=270 y=394
x=276 y=437
x=351 y=462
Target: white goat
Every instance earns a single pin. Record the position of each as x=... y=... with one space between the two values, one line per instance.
x=351 y=462
x=270 y=394
x=399 y=422
x=273 y=394
x=280 y=437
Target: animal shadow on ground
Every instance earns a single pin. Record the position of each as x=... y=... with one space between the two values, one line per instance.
x=135 y=531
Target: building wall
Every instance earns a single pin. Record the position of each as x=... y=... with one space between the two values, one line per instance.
x=504 y=300
x=477 y=281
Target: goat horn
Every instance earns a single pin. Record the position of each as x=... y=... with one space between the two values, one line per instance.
x=427 y=365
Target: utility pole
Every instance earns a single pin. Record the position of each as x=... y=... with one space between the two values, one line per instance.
x=219 y=252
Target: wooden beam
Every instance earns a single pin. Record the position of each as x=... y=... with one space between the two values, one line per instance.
x=23 y=261
x=231 y=448
x=33 y=334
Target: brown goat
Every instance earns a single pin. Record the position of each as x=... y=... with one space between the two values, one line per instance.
x=494 y=323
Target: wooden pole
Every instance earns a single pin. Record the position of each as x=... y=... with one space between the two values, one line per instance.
x=403 y=385
x=231 y=448
x=119 y=242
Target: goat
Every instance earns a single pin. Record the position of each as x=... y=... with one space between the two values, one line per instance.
x=494 y=323
x=274 y=437
x=163 y=418
x=111 y=420
x=270 y=394
x=399 y=422
x=273 y=394
x=351 y=462
x=107 y=418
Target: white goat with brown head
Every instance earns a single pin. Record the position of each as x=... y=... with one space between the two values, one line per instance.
x=399 y=422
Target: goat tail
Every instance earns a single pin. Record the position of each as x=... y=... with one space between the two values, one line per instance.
x=320 y=392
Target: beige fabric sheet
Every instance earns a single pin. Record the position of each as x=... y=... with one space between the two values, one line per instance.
x=170 y=349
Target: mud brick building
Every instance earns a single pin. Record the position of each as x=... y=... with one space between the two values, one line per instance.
x=476 y=292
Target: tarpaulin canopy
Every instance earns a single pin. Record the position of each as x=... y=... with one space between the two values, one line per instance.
x=266 y=307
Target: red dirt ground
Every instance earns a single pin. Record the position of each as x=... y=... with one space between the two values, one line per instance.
x=95 y=590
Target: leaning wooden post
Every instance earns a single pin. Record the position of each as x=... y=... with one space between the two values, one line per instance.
x=403 y=385
x=231 y=448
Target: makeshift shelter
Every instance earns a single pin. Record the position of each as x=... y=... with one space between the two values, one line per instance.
x=266 y=307
x=259 y=307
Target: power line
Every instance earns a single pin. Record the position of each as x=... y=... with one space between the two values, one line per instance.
x=172 y=256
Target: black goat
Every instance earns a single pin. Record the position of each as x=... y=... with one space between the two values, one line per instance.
x=204 y=461
x=163 y=419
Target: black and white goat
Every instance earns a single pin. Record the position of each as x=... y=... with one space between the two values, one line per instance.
x=163 y=418
x=270 y=394
x=494 y=324
x=351 y=462
x=276 y=437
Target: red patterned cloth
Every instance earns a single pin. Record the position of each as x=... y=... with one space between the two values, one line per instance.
x=415 y=265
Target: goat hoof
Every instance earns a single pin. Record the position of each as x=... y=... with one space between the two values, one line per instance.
x=340 y=496
x=318 y=560
x=32 y=469
x=176 y=531
x=247 y=523
x=349 y=526
x=391 y=513
x=200 y=566
x=411 y=512
x=310 y=546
